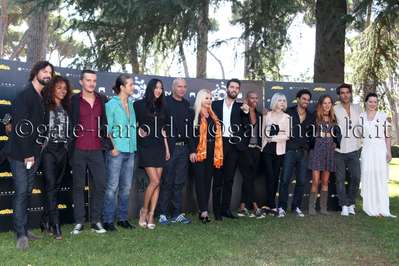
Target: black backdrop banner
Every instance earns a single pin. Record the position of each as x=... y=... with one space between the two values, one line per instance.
x=14 y=75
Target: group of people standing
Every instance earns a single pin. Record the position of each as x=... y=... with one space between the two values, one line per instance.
x=216 y=137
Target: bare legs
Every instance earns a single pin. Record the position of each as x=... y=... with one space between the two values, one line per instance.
x=152 y=193
x=316 y=180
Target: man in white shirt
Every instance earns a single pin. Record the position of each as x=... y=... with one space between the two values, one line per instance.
x=347 y=115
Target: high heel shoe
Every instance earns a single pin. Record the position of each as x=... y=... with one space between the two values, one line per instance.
x=142 y=224
x=45 y=227
x=150 y=226
x=57 y=232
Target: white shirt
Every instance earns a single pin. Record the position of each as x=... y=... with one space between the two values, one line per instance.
x=349 y=127
x=226 y=119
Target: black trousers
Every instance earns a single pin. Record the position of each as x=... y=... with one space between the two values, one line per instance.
x=223 y=178
x=54 y=159
x=94 y=160
x=272 y=164
x=203 y=172
x=248 y=165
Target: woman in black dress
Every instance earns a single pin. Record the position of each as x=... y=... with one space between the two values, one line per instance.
x=54 y=156
x=206 y=149
x=151 y=114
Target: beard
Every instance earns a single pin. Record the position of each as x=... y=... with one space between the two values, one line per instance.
x=231 y=96
x=44 y=82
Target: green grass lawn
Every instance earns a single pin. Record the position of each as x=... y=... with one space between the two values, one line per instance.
x=332 y=240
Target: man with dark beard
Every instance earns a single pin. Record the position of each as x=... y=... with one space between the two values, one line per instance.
x=232 y=114
x=29 y=113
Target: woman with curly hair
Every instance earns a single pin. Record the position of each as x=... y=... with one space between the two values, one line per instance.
x=54 y=155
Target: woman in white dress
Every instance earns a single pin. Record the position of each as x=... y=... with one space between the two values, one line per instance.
x=376 y=155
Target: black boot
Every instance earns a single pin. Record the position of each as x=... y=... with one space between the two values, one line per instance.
x=57 y=231
x=45 y=227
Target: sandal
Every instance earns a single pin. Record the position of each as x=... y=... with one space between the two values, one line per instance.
x=142 y=224
x=150 y=226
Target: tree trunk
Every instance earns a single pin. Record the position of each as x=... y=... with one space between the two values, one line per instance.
x=246 y=47
x=37 y=37
x=20 y=45
x=183 y=59
x=202 y=38
x=134 y=60
x=3 y=25
x=329 y=62
x=220 y=63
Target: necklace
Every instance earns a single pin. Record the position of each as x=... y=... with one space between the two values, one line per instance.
x=300 y=115
x=278 y=112
x=326 y=114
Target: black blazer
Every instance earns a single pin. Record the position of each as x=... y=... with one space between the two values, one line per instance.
x=237 y=118
x=153 y=139
x=172 y=112
x=75 y=115
x=28 y=106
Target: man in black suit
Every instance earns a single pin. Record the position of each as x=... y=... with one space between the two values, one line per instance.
x=30 y=117
x=176 y=168
x=233 y=115
x=88 y=111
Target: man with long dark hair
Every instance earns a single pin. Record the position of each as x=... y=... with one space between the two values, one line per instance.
x=29 y=113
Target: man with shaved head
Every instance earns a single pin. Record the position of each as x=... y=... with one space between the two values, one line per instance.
x=176 y=168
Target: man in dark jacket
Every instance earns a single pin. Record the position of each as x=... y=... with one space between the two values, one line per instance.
x=29 y=113
x=233 y=115
x=176 y=168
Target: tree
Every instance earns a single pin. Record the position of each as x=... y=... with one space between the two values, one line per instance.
x=329 y=62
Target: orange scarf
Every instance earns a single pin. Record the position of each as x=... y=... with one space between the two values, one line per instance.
x=201 y=149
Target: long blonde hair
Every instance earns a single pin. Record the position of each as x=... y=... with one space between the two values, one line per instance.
x=198 y=102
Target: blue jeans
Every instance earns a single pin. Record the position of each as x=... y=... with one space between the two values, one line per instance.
x=350 y=160
x=293 y=159
x=23 y=184
x=173 y=180
x=119 y=173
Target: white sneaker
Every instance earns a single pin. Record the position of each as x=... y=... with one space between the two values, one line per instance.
x=77 y=229
x=98 y=228
x=345 y=211
x=298 y=212
x=281 y=213
x=351 y=209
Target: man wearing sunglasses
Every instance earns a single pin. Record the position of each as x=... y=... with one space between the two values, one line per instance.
x=347 y=115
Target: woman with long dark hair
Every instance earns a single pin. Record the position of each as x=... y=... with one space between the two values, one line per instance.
x=206 y=149
x=120 y=161
x=322 y=156
x=153 y=150
x=54 y=156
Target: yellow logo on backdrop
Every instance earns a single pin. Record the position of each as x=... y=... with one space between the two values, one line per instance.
x=6 y=174
x=319 y=89
x=277 y=88
x=57 y=73
x=62 y=206
x=6 y=211
x=294 y=101
x=3 y=138
x=76 y=91
x=86 y=187
x=4 y=67
x=36 y=191
x=337 y=102
x=4 y=102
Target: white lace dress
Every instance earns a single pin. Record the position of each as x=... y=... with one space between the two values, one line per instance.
x=374 y=167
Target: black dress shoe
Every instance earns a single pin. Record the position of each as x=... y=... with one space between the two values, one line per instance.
x=125 y=224
x=218 y=217
x=228 y=214
x=109 y=227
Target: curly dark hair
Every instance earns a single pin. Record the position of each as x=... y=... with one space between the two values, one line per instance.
x=48 y=92
x=39 y=65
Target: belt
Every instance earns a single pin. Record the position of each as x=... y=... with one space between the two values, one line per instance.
x=181 y=143
x=298 y=150
x=210 y=140
x=253 y=146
